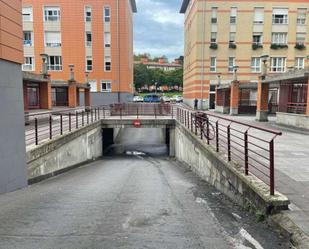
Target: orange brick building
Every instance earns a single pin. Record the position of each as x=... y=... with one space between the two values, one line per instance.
x=94 y=36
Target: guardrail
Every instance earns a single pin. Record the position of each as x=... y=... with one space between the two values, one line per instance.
x=47 y=125
x=249 y=146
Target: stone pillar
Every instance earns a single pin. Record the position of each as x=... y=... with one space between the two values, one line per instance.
x=234 y=98
x=87 y=97
x=72 y=94
x=307 y=108
x=262 y=101
x=45 y=95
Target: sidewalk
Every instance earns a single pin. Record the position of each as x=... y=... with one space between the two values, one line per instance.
x=292 y=168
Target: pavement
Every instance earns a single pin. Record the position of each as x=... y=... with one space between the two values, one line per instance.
x=292 y=167
x=131 y=200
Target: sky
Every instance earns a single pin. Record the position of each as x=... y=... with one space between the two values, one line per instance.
x=158 y=28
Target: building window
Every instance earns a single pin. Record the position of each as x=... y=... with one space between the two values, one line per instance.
x=213 y=38
x=28 y=41
x=27 y=14
x=93 y=86
x=88 y=39
x=279 y=38
x=107 y=14
x=301 y=16
x=52 y=14
x=107 y=63
x=28 y=64
x=54 y=63
x=233 y=15
x=231 y=64
x=299 y=63
x=300 y=38
x=89 y=63
x=277 y=64
x=232 y=38
x=88 y=14
x=280 y=16
x=256 y=64
x=258 y=15
x=52 y=39
x=107 y=39
x=106 y=85
x=213 y=64
x=214 y=15
x=257 y=38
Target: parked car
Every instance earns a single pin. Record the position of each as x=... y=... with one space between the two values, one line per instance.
x=138 y=99
x=152 y=98
x=178 y=98
x=165 y=99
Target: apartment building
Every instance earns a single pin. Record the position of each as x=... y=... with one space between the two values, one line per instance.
x=12 y=150
x=94 y=36
x=227 y=37
x=162 y=64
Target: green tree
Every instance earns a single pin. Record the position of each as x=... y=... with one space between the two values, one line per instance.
x=141 y=76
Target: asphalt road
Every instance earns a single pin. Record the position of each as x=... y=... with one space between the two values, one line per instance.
x=129 y=201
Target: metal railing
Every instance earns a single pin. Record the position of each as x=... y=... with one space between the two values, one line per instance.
x=249 y=146
x=45 y=126
x=298 y=108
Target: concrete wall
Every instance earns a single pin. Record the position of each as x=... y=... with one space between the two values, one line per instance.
x=290 y=119
x=12 y=129
x=98 y=98
x=222 y=109
x=226 y=177
x=65 y=152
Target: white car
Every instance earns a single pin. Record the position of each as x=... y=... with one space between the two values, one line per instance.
x=178 y=98
x=138 y=99
x=165 y=99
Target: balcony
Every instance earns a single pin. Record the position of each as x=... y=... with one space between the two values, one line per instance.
x=300 y=46
x=256 y=45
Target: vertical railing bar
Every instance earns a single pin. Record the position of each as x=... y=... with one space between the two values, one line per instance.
x=36 y=131
x=229 y=143
x=246 y=153
x=70 y=125
x=217 y=136
x=83 y=115
x=61 y=124
x=50 y=127
x=271 y=167
x=76 y=120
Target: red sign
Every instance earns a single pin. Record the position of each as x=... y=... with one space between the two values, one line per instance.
x=137 y=123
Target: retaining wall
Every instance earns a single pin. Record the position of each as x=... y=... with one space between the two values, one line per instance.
x=65 y=152
x=227 y=177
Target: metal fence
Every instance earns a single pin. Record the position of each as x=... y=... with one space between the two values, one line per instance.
x=249 y=146
x=45 y=126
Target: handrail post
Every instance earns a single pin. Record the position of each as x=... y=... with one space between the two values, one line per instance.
x=217 y=136
x=172 y=110
x=36 y=131
x=229 y=143
x=50 y=127
x=246 y=154
x=91 y=112
x=103 y=112
x=185 y=117
x=207 y=132
x=87 y=117
x=202 y=128
x=70 y=122
x=98 y=113
x=271 y=167
x=76 y=119
x=83 y=118
x=195 y=124
x=61 y=124
x=191 y=122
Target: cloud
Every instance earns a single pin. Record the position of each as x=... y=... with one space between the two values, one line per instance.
x=158 y=28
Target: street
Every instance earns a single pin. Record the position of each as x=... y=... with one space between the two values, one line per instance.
x=129 y=201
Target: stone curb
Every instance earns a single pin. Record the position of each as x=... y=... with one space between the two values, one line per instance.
x=284 y=223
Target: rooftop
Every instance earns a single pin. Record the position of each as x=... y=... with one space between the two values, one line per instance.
x=133 y=5
x=184 y=6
